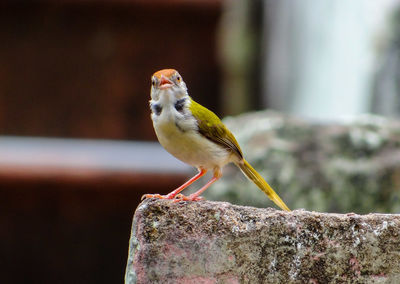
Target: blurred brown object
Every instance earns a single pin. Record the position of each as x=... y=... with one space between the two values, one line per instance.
x=74 y=68
x=67 y=205
x=82 y=68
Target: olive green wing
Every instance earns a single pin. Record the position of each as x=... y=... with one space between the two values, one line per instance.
x=211 y=127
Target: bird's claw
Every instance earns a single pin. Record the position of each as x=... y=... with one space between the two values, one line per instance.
x=176 y=198
x=157 y=196
x=192 y=197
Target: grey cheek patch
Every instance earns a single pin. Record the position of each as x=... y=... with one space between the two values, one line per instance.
x=180 y=104
x=156 y=109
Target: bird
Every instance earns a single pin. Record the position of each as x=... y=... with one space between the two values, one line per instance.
x=196 y=136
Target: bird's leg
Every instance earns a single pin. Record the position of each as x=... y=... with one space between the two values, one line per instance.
x=196 y=196
x=172 y=194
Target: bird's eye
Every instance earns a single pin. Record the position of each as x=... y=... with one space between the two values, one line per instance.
x=153 y=82
x=178 y=79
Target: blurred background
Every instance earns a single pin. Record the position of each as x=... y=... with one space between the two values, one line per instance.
x=77 y=147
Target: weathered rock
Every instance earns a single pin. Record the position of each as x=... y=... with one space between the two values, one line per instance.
x=331 y=167
x=216 y=242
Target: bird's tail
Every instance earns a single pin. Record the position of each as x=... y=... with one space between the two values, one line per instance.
x=255 y=177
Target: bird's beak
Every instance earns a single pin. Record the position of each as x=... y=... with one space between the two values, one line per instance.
x=165 y=83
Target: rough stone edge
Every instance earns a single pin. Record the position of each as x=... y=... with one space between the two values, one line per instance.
x=134 y=245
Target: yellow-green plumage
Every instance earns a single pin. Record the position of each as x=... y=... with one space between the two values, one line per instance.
x=211 y=127
x=255 y=177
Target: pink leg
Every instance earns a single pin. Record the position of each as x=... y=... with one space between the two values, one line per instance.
x=172 y=194
x=196 y=196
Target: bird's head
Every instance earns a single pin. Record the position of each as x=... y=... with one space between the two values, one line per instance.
x=167 y=82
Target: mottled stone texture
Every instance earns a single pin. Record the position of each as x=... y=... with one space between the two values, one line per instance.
x=346 y=166
x=216 y=242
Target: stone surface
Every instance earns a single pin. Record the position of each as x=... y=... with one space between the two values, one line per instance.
x=347 y=166
x=216 y=242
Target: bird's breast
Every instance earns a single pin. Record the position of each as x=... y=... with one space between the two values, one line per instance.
x=180 y=137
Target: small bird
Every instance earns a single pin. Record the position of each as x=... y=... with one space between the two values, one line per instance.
x=196 y=136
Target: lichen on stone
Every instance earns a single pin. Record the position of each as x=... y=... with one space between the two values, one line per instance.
x=251 y=245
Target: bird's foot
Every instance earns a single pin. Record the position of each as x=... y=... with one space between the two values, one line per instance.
x=192 y=197
x=158 y=196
